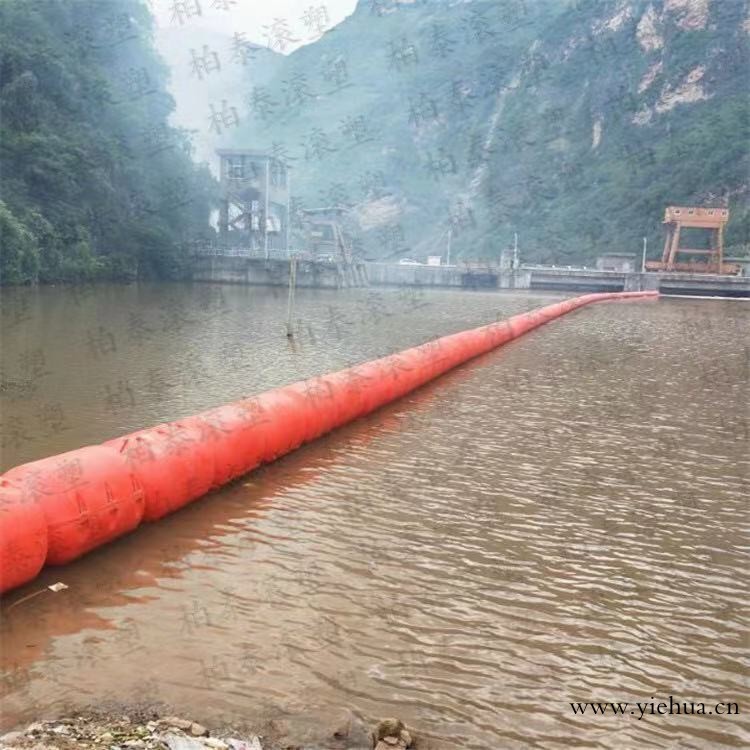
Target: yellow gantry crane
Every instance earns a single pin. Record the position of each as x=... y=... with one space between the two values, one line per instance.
x=677 y=218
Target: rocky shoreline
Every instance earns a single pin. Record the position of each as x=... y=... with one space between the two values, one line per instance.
x=145 y=729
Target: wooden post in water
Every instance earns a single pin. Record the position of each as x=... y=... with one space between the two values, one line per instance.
x=290 y=302
x=288 y=208
x=265 y=213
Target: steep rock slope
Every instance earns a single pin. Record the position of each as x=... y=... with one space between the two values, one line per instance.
x=573 y=124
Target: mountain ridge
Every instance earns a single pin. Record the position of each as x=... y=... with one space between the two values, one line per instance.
x=573 y=126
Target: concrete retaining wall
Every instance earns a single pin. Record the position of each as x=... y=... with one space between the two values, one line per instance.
x=230 y=269
x=557 y=279
x=275 y=272
x=394 y=274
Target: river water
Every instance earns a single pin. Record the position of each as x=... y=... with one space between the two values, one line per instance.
x=564 y=519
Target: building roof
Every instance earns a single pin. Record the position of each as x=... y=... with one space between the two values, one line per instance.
x=332 y=209
x=243 y=152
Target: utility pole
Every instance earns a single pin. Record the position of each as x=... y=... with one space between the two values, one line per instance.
x=643 y=257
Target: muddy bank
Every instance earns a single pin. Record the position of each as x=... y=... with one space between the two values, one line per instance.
x=149 y=728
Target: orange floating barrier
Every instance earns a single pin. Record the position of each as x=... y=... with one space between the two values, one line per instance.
x=87 y=497
x=236 y=435
x=173 y=463
x=23 y=537
x=287 y=424
x=57 y=509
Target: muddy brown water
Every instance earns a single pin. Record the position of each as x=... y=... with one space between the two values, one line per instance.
x=564 y=519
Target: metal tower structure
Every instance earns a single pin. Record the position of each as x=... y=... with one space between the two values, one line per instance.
x=255 y=193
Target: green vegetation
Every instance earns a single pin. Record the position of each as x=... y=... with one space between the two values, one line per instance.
x=606 y=196
x=432 y=119
x=95 y=184
x=492 y=117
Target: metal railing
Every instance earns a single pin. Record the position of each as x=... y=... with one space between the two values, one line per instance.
x=239 y=252
x=236 y=251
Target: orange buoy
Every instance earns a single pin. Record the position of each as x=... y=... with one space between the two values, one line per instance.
x=172 y=462
x=23 y=537
x=87 y=497
x=236 y=435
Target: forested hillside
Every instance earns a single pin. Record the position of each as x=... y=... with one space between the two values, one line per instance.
x=95 y=183
x=631 y=106
x=571 y=123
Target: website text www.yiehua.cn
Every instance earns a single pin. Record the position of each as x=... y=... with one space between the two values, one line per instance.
x=655 y=708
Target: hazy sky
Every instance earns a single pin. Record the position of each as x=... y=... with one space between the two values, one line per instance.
x=283 y=25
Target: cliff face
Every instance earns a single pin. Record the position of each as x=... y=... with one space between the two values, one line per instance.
x=646 y=104
x=572 y=125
